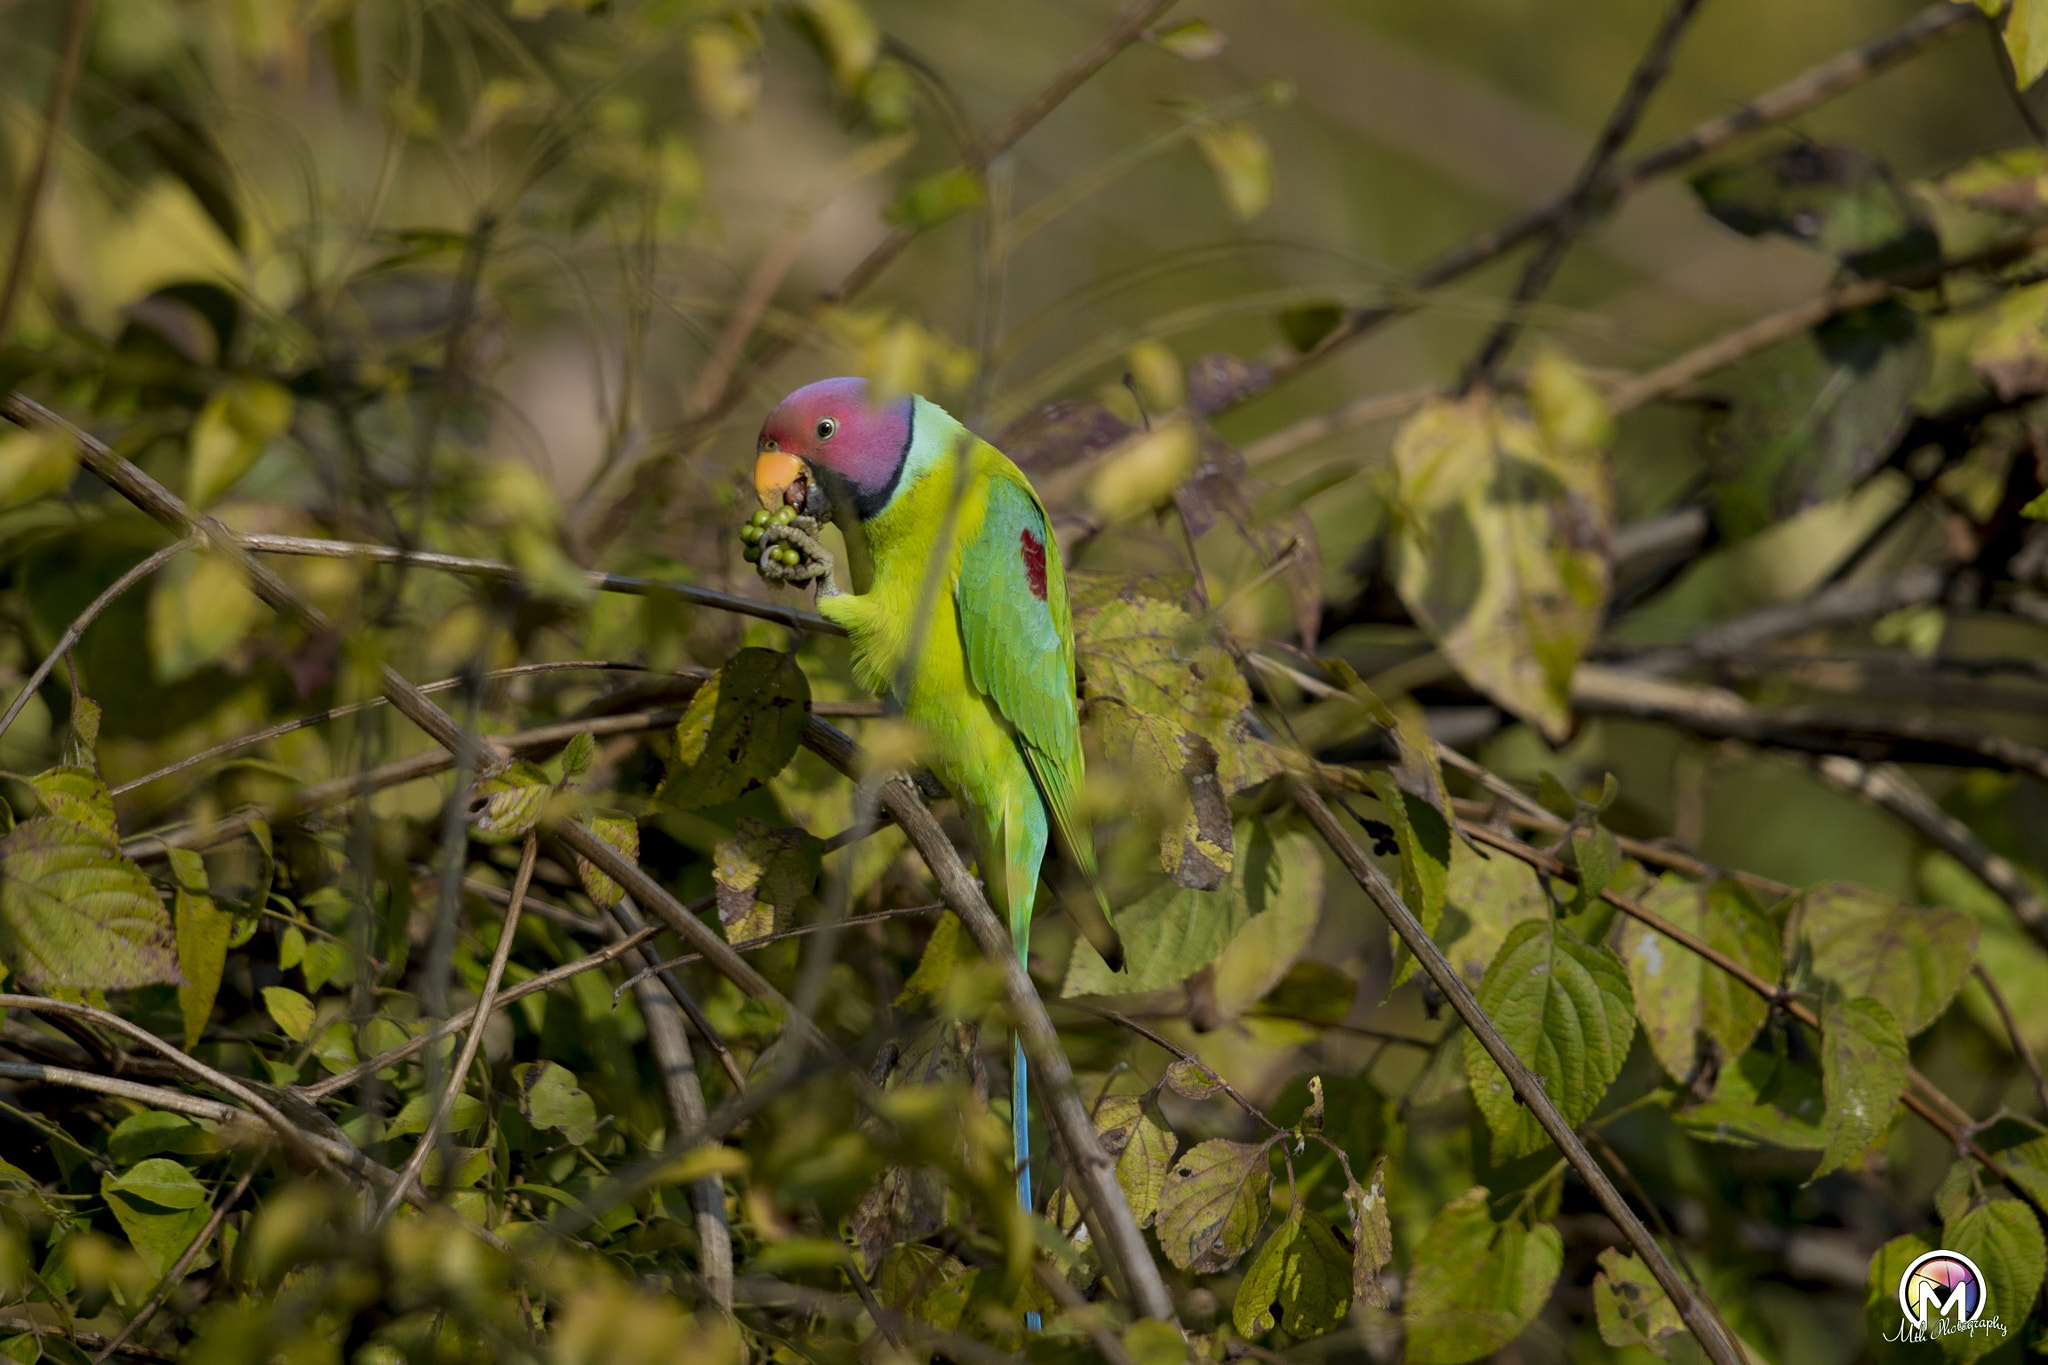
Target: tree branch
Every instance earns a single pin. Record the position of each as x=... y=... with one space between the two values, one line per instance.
x=1704 y=1325
x=1108 y=1213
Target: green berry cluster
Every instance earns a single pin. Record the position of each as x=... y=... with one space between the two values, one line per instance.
x=752 y=531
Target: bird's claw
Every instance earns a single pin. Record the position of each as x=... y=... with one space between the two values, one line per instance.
x=814 y=561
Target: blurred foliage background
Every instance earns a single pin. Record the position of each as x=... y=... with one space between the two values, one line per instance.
x=1674 y=559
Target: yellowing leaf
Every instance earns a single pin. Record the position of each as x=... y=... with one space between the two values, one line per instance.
x=76 y=914
x=230 y=433
x=2026 y=40
x=1140 y=474
x=1372 y=1237
x=1631 y=1308
x=199 y=610
x=1565 y=1008
x=1690 y=1008
x=550 y=1098
x=1475 y=1284
x=935 y=198
x=1300 y=1281
x=1196 y=40
x=761 y=874
x=622 y=832
x=1242 y=163
x=1502 y=550
x=511 y=802
x=33 y=464
x=1214 y=1202
x=742 y=727
x=74 y=792
x=290 y=1011
x=203 y=930
x=848 y=34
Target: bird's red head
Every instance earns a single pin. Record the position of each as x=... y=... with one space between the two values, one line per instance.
x=829 y=433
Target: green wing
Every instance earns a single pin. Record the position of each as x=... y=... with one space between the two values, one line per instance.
x=1012 y=598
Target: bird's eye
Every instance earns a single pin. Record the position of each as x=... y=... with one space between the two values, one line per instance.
x=826 y=426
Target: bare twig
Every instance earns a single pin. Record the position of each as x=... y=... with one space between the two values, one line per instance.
x=1359 y=412
x=1092 y=1171
x=175 y=1276
x=799 y=931
x=164 y=507
x=1127 y=1022
x=2012 y=1032
x=626 y=920
x=472 y=1042
x=1704 y=1325
x=23 y=251
x=15 y=1322
x=1580 y=202
x=86 y=618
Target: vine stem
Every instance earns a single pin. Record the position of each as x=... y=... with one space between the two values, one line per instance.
x=1703 y=1324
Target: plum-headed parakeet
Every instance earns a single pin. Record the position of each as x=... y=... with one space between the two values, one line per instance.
x=963 y=625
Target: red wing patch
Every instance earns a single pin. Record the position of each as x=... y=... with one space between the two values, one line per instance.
x=1034 y=563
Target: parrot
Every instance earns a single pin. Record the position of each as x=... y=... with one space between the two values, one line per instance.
x=962 y=624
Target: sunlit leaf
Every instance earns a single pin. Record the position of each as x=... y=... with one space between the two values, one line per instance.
x=76 y=794
x=1140 y=474
x=1863 y=1068
x=1910 y=958
x=1690 y=1008
x=1195 y=40
x=290 y=1011
x=1566 y=1010
x=761 y=873
x=622 y=832
x=1213 y=1204
x=2003 y=1239
x=33 y=464
x=510 y=802
x=1475 y=1284
x=74 y=913
x=1631 y=1308
x=550 y=1098
x=1300 y=1281
x=199 y=609
x=160 y=1206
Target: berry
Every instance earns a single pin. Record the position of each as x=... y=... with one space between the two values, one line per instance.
x=760 y=518
x=752 y=554
x=750 y=533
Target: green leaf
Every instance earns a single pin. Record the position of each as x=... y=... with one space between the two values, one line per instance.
x=1190 y=1079
x=1283 y=884
x=550 y=1098
x=847 y=34
x=1372 y=1237
x=1143 y=1149
x=1195 y=40
x=1214 y=1203
x=203 y=930
x=1243 y=166
x=153 y=1131
x=1502 y=550
x=510 y=803
x=76 y=794
x=1689 y=1007
x=2014 y=180
x=1810 y=418
x=466 y=1113
x=161 y=1208
x=1300 y=1281
x=1423 y=838
x=1840 y=200
x=76 y=914
x=622 y=832
x=292 y=1012
x=2003 y=1239
x=762 y=872
x=229 y=435
x=1475 y=1284
x=931 y=200
x=944 y=954
x=1881 y=1296
x=1173 y=932
x=741 y=729
x=2011 y=352
x=1910 y=958
x=1631 y=1308
x=161 y=1181
x=1762 y=1100
x=1484 y=898
x=578 y=755
x=1863 y=1068
x=2026 y=40
x=1566 y=1010
x=200 y=608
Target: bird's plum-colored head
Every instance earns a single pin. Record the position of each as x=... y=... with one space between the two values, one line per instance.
x=828 y=434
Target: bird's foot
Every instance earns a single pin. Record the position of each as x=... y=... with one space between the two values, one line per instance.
x=792 y=553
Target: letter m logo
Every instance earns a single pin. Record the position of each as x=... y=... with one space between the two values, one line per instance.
x=1930 y=1298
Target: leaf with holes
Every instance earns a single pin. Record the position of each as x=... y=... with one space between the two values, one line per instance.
x=1912 y=958
x=1214 y=1202
x=1502 y=550
x=1631 y=1308
x=511 y=803
x=1299 y=1282
x=1690 y=1008
x=1475 y=1284
x=76 y=914
x=1862 y=1071
x=741 y=729
x=1372 y=1237
x=1565 y=1009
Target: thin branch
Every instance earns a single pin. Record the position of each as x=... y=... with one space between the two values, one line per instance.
x=1840 y=605
x=1703 y=1323
x=2012 y=1032
x=625 y=921
x=170 y=511
x=1091 y=1170
x=1359 y=412
x=22 y=253
x=798 y=932
x=175 y=1276
x=1806 y=91
x=1126 y=1021
x=1579 y=203
x=794 y=618
x=14 y=1322
x=86 y=618
x=472 y=1042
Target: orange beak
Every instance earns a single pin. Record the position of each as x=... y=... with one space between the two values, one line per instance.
x=776 y=476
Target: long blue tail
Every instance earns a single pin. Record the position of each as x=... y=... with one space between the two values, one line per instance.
x=1020 y=1137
